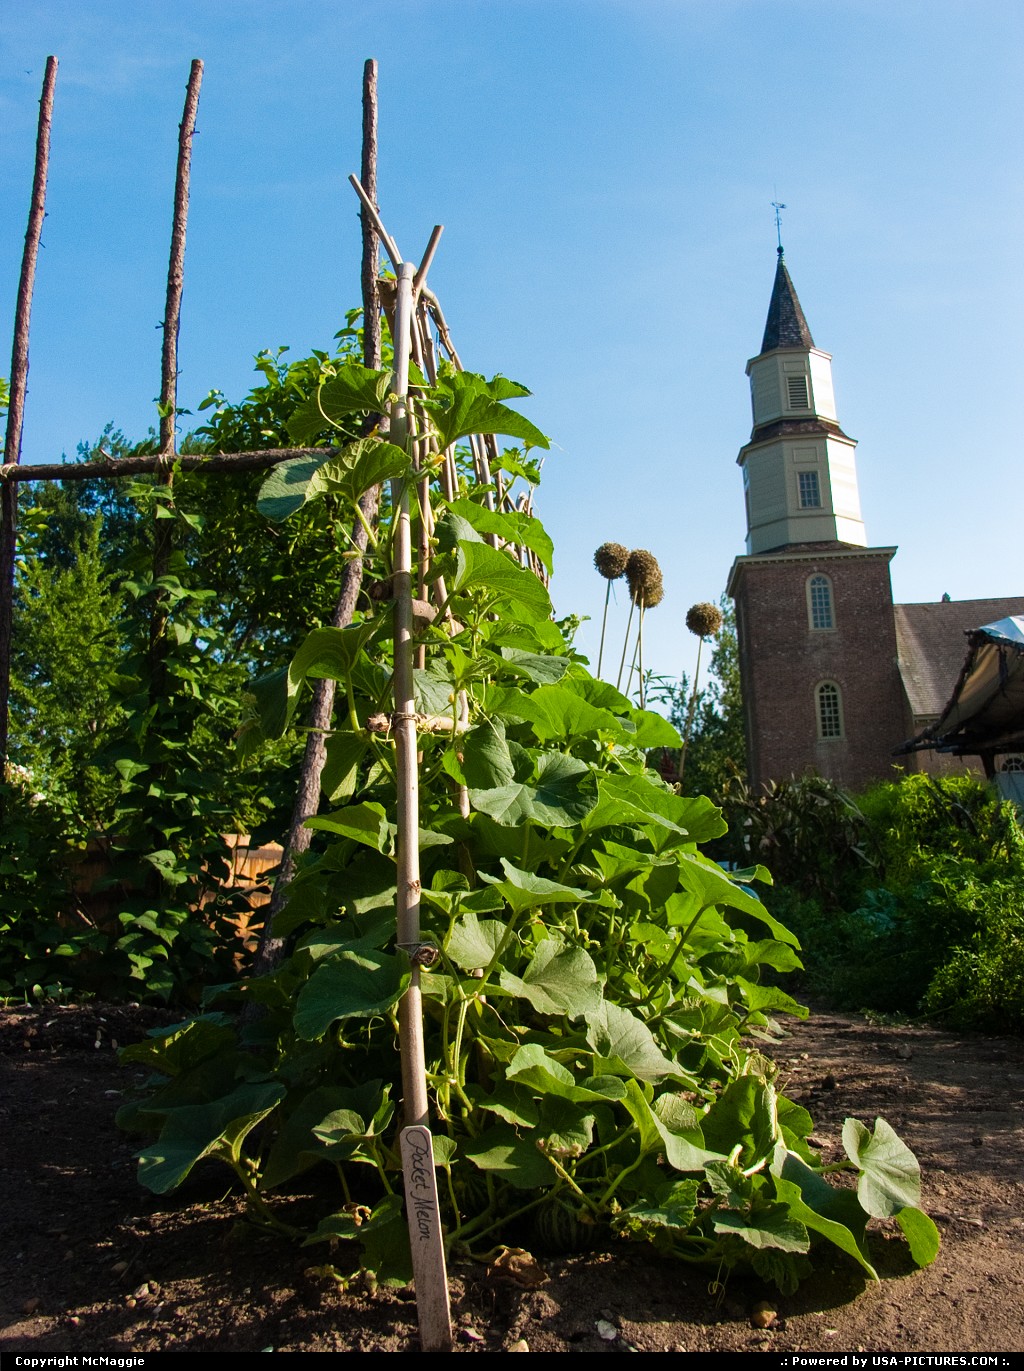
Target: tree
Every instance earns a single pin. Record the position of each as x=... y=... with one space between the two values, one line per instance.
x=146 y=767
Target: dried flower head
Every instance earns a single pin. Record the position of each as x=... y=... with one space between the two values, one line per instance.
x=643 y=575
x=704 y=619
x=654 y=595
x=610 y=560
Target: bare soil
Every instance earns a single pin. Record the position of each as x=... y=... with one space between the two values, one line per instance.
x=93 y=1265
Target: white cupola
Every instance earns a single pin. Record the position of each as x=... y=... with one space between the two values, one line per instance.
x=799 y=472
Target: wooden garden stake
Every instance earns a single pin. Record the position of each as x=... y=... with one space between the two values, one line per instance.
x=307 y=792
x=163 y=529
x=19 y=387
x=422 y=1210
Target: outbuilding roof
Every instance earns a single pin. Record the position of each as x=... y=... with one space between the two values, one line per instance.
x=985 y=713
x=931 y=640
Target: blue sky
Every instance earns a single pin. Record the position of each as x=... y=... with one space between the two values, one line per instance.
x=604 y=170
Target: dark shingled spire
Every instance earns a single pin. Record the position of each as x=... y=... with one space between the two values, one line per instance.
x=786 y=326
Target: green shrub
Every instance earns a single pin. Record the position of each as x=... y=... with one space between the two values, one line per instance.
x=981 y=985
x=920 y=914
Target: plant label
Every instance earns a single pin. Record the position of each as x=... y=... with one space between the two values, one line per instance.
x=424 y=1218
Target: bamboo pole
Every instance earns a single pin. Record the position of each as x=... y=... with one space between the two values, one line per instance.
x=422 y=1212
x=19 y=389
x=408 y=907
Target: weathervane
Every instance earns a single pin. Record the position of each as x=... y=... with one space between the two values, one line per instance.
x=778 y=208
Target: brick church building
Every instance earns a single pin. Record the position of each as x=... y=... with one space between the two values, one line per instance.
x=835 y=676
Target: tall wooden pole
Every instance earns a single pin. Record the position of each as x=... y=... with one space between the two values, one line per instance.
x=19 y=389
x=307 y=795
x=163 y=529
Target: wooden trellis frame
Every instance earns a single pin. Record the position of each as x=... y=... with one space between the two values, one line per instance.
x=415 y=316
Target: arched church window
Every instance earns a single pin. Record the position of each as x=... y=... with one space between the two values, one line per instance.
x=1013 y=762
x=830 y=711
x=819 y=602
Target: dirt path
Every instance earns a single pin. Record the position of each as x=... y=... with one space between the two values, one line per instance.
x=93 y=1265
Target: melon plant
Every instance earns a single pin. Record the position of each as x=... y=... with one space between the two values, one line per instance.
x=595 y=1015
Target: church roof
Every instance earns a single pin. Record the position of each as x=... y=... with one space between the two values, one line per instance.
x=931 y=642
x=785 y=326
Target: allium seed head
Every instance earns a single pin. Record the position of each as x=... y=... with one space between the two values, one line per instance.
x=704 y=619
x=610 y=560
x=654 y=595
x=643 y=575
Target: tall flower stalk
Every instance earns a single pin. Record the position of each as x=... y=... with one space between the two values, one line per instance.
x=646 y=589
x=704 y=620
x=610 y=560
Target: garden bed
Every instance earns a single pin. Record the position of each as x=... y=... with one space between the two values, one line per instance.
x=96 y=1265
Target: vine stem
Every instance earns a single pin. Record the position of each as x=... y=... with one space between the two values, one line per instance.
x=662 y=975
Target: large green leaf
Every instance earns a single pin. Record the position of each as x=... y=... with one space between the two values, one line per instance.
x=744 y=1114
x=651 y=730
x=535 y=666
x=340 y=775
x=357 y=468
x=561 y=793
x=510 y=526
x=522 y=890
x=353 y=985
x=328 y=1124
x=326 y=652
x=890 y=1177
x=557 y=712
x=365 y=823
x=510 y=1157
x=835 y=1214
x=559 y=980
x=626 y=1044
x=921 y=1234
x=770 y=1226
x=684 y=1150
x=284 y=489
x=714 y=887
x=194 y=1131
x=354 y=390
x=466 y=403
x=172 y=1051
x=486 y=761
x=675 y=1206
x=480 y=567
x=474 y=941
x=534 y=1069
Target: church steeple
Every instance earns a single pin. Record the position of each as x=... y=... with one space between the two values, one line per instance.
x=785 y=326
x=799 y=474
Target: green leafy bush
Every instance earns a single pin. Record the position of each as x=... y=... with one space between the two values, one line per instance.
x=897 y=894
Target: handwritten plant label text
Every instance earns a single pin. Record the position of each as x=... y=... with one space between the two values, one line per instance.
x=424 y=1218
